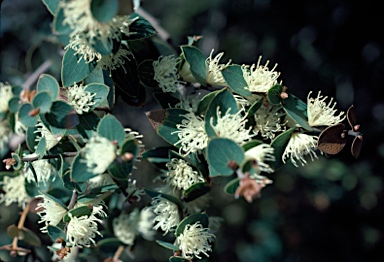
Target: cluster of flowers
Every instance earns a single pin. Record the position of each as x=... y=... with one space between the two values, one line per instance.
x=173 y=75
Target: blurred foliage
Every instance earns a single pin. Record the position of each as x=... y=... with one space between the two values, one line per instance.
x=329 y=210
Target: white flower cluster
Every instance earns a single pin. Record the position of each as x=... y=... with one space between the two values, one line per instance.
x=5 y=94
x=195 y=240
x=259 y=78
x=167 y=214
x=50 y=212
x=127 y=226
x=80 y=99
x=14 y=190
x=165 y=69
x=98 y=154
x=180 y=175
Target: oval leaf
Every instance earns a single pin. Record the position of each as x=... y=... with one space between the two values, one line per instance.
x=43 y=101
x=104 y=10
x=233 y=75
x=196 y=59
x=109 y=127
x=49 y=84
x=222 y=151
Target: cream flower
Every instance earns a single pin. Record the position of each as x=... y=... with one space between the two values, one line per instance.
x=81 y=230
x=86 y=29
x=190 y=103
x=214 y=75
x=194 y=240
x=298 y=146
x=268 y=122
x=186 y=73
x=232 y=126
x=99 y=153
x=14 y=188
x=5 y=135
x=322 y=114
x=133 y=190
x=259 y=78
x=167 y=214
x=191 y=133
x=124 y=227
x=261 y=153
x=145 y=223
x=114 y=61
x=100 y=180
x=50 y=212
x=5 y=94
x=180 y=175
x=166 y=72
x=43 y=132
x=80 y=99
x=44 y=170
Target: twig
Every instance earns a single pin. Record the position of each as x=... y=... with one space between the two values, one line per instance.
x=35 y=75
x=34 y=158
x=73 y=200
x=118 y=253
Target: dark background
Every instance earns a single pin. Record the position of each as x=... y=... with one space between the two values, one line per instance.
x=331 y=209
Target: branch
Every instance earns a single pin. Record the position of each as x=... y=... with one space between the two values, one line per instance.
x=35 y=75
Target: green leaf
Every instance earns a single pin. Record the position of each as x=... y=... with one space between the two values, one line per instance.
x=51 y=5
x=30 y=138
x=231 y=186
x=233 y=75
x=274 y=94
x=279 y=144
x=41 y=146
x=24 y=116
x=101 y=91
x=59 y=27
x=127 y=81
x=297 y=110
x=56 y=233
x=74 y=68
x=79 y=170
x=251 y=144
x=196 y=59
x=147 y=73
x=157 y=155
x=140 y=28
x=49 y=84
x=195 y=191
x=220 y=152
x=175 y=200
x=167 y=245
x=78 y=212
x=104 y=10
x=43 y=101
x=62 y=115
x=104 y=46
x=205 y=101
x=18 y=163
x=54 y=199
x=110 y=244
x=109 y=127
x=173 y=116
x=30 y=237
x=13 y=104
x=190 y=220
x=223 y=100
x=120 y=171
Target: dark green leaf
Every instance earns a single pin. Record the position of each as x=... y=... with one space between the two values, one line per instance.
x=140 y=28
x=24 y=116
x=167 y=245
x=104 y=10
x=43 y=101
x=62 y=115
x=30 y=138
x=78 y=212
x=221 y=152
x=56 y=233
x=51 y=5
x=195 y=191
x=233 y=75
x=297 y=110
x=111 y=128
x=173 y=117
x=13 y=104
x=274 y=94
x=101 y=91
x=74 y=68
x=279 y=144
x=49 y=84
x=196 y=60
x=147 y=73
x=231 y=186
x=190 y=220
x=226 y=103
x=59 y=27
x=79 y=170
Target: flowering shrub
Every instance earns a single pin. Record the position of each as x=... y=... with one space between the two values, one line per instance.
x=220 y=120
